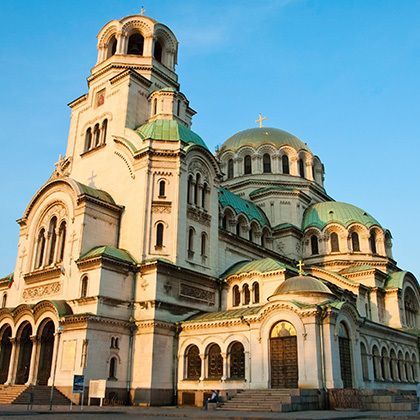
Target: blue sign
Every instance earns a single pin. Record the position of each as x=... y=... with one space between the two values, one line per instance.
x=78 y=384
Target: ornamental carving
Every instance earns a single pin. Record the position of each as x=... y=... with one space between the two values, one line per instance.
x=57 y=210
x=161 y=208
x=39 y=292
x=62 y=167
x=197 y=293
x=199 y=216
x=196 y=166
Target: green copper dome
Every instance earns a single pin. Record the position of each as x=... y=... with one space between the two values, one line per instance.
x=321 y=214
x=301 y=285
x=169 y=130
x=255 y=137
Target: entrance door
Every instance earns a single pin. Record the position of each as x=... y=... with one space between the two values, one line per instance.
x=345 y=356
x=283 y=356
x=5 y=352
x=46 y=353
x=25 y=351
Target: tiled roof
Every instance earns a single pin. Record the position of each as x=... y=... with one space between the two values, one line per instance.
x=110 y=252
x=264 y=265
x=169 y=130
x=395 y=280
x=240 y=205
x=95 y=193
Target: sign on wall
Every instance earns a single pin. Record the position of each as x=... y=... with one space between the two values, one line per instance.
x=78 y=384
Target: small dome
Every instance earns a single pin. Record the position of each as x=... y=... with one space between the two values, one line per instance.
x=301 y=285
x=255 y=137
x=321 y=214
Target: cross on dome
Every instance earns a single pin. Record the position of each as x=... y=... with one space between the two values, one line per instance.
x=260 y=120
x=300 y=267
x=142 y=10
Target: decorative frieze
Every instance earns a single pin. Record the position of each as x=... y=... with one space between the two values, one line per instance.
x=197 y=293
x=33 y=293
x=199 y=215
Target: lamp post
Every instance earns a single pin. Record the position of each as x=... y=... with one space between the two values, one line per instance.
x=60 y=329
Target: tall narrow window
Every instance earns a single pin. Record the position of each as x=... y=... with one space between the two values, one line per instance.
x=178 y=108
x=113 y=368
x=355 y=244
x=266 y=163
x=203 y=244
x=112 y=47
x=61 y=241
x=104 y=129
x=189 y=189
x=247 y=165
x=237 y=361
x=230 y=169
x=135 y=44
x=159 y=235
x=84 y=287
x=285 y=164
x=301 y=165
x=214 y=362
x=238 y=229
x=372 y=241
x=52 y=234
x=204 y=196
x=335 y=247
x=155 y=106
x=4 y=300
x=193 y=362
x=314 y=245
x=196 y=188
x=88 y=139
x=40 y=249
x=247 y=294
x=236 y=296
x=157 y=51
x=250 y=234
x=191 y=242
x=162 y=186
x=96 y=135
x=256 y=290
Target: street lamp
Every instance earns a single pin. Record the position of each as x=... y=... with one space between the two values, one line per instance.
x=60 y=329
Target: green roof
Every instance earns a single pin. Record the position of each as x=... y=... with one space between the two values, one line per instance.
x=321 y=214
x=395 y=280
x=255 y=137
x=285 y=226
x=63 y=308
x=95 y=193
x=240 y=205
x=223 y=315
x=169 y=130
x=110 y=252
x=264 y=265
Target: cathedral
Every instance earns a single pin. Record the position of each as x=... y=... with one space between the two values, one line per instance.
x=168 y=270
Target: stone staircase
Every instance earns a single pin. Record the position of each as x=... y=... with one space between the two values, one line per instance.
x=20 y=394
x=278 y=400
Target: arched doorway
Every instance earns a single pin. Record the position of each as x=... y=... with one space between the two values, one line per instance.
x=283 y=356
x=45 y=352
x=345 y=356
x=5 y=352
x=25 y=351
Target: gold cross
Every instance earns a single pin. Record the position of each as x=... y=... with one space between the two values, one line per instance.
x=142 y=11
x=300 y=267
x=260 y=120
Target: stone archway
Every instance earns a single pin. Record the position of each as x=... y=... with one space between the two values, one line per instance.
x=5 y=352
x=283 y=356
x=345 y=356
x=25 y=352
x=46 y=349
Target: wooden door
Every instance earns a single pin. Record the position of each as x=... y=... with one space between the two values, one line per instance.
x=284 y=363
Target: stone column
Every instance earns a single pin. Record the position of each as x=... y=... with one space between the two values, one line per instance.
x=148 y=47
x=12 y=364
x=32 y=369
x=247 y=355
x=308 y=170
x=55 y=356
x=203 y=366
x=225 y=366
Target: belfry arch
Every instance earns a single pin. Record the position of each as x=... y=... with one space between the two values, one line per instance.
x=5 y=352
x=46 y=349
x=25 y=344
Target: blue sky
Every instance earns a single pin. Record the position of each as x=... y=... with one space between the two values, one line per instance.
x=341 y=75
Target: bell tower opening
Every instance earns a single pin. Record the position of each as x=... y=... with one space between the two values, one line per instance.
x=135 y=44
x=157 y=52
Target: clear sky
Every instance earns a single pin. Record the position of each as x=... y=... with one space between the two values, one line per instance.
x=341 y=75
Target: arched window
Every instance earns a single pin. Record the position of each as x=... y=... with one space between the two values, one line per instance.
x=204 y=196
x=193 y=362
x=236 y=296
x=335 y=245
x=364 y=356
x=285 y=164
x=230 y=169
x=224 y=222
x=266 y=163
x=247 y=165
x=237 y=361
x=96 y=135
x=385 y=364
x=394 y=365
x=256 y=290
x=191 y=234
x=301 y=166
x=52 y=234
x=401 y=370
x=112 y=368
x=196 y=188
x=314 y=245
x=355 y=244
x=155 y=106
x=112 y=342
x=135 y=44
x=372 y=241
x=40 y=249
x=377 y=371
x=157 y=51
x=112 y=47
x=61 y=241
x=238 y=229
x=247 y=294
x=88 y=139
x=159 y=235
x=203 y=244
x=117 y=343
x=4 y=300
x=84 y=287
x=410 y=308
x=250 y=234
x=162 y=185
x=189 y=188
x=214 y=362
x=104 y=130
